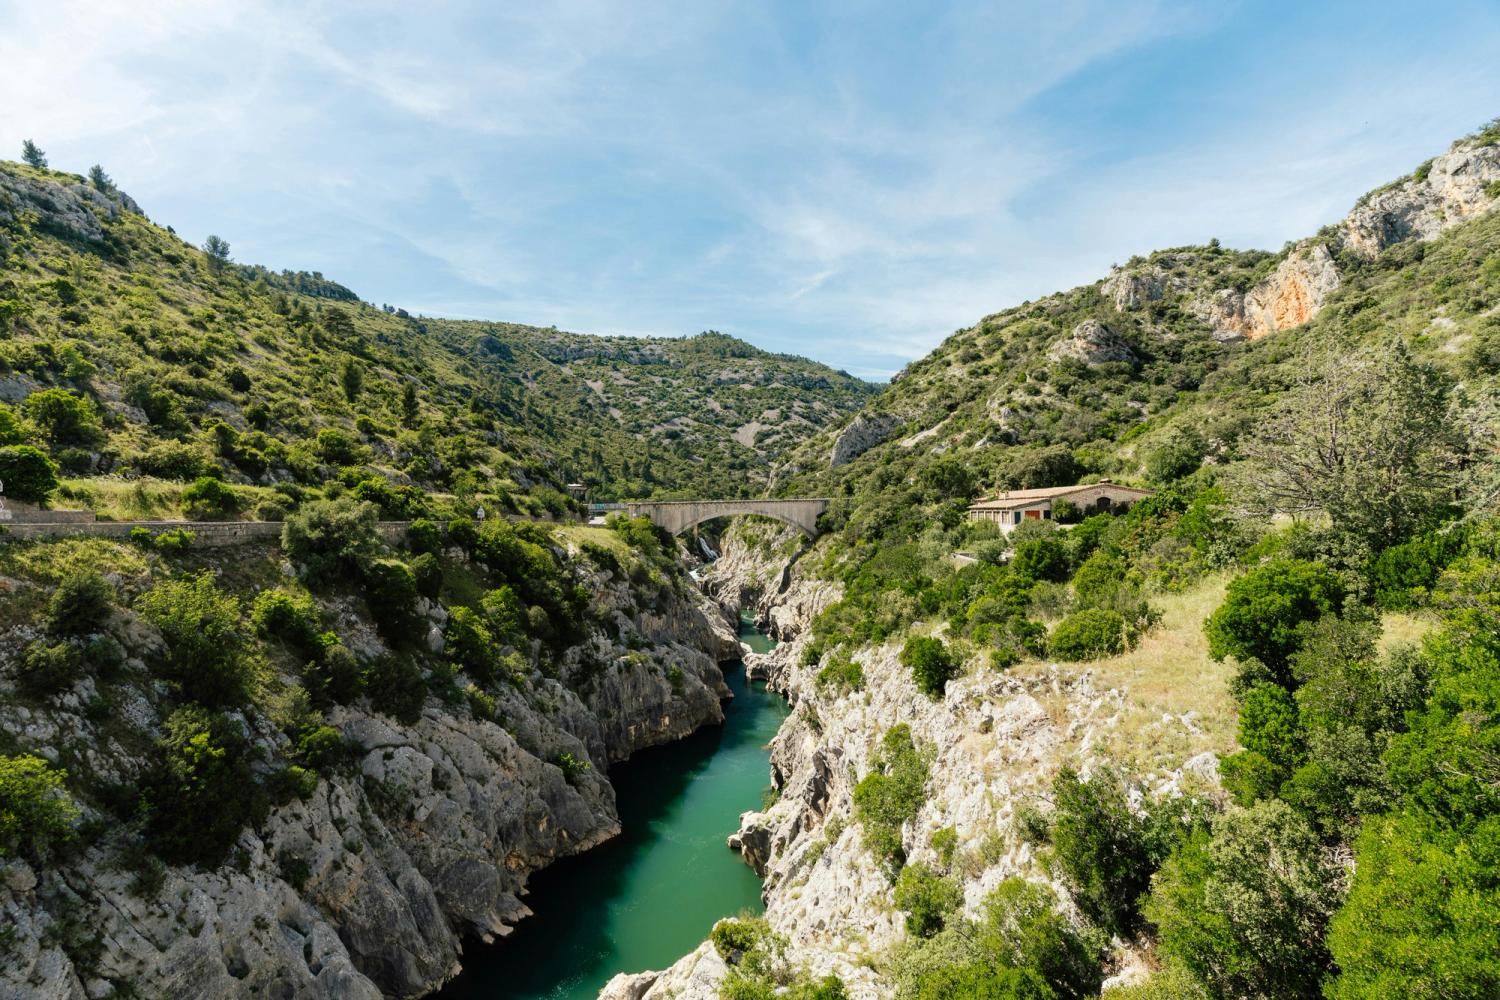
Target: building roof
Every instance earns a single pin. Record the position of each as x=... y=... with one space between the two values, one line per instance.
x=1025 y=498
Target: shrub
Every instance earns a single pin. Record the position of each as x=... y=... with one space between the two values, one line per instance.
x=469 y=644
x=36 y=812
x=334 y=676
x=424 y=536
x=173 y=540
x=1090 y=634
x=841 y=673
x=891 y=796
x=463 y=533
x=1245 y=910
x=1105 y=849
x=10 y=427
x=734 y=938
x=391 y=592
x=81 y=604
x=204 y=648
x=201 y=793
x=927 y=897
x=930 y=663
x=331 y=538
x=47 y=668
x=1099 y=579
x=1265 y=610
x=1041 y=559
x=173 y=460
x=428 y=573
x=292 y=618
x=396 y=688
x=28 y=474
x=65 y=418
x=1023 y=929
x=1403 y=574
x=208 y=499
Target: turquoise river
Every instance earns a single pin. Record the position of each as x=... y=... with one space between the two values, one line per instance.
x=649 y=896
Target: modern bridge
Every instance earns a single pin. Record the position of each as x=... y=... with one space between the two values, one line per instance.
x=679 y=515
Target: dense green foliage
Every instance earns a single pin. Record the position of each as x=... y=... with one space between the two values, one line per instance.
x=890 y=795
x=930 y=663
x=35 y=810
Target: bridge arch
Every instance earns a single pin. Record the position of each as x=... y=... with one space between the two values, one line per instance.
x=676 y=516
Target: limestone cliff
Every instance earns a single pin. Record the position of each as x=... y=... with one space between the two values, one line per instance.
x=996 y=740
x=369 y=885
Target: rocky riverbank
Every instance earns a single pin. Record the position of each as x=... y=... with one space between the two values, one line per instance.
x=995 y=740
x=369 y=885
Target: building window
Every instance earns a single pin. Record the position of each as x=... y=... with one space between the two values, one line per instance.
x=1046 y=515
x=1017 y=517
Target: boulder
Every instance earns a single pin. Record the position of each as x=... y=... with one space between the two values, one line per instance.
x=1093 y=343
x=864 y=432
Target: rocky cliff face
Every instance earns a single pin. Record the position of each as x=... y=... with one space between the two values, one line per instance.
x=864 y=432
x=996 y=740
x=1291 y=296
x=1443 y=192
x=370 y=885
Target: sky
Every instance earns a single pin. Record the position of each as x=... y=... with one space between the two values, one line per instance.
x=849 y=181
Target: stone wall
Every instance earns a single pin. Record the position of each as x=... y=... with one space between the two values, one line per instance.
x=208 y=534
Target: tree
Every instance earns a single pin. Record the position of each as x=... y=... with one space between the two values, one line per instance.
x=33 y=155
x=1106 y=849
x=930 y=663
x=352 y=379
x=216 y=249
x=36 y=812
x=1245 y=910
x=65 y=418
x=100 y=179
x=27 y=473
x=81 y=604
x=1369 y=440
x=409 y=405
x=204 y=646
x=10 y=426
x=331 y=538
x=1265 y=610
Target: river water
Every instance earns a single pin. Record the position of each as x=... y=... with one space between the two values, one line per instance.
x=649 y=896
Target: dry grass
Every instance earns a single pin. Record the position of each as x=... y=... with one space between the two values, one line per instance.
x=1403 y=629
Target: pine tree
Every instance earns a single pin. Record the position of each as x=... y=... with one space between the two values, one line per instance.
x=100 y=179
x=33 y=155
x=217 y=250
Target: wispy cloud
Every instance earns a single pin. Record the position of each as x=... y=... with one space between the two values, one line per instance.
x=852 y=182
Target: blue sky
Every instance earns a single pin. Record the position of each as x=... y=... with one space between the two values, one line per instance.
x=849 y=181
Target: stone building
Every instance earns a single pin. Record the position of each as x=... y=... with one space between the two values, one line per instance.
x=1014 y=506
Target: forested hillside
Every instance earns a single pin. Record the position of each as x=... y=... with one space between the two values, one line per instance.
x=124 y=352
x=1239 y=740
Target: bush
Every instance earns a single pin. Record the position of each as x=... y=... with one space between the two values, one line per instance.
x=10 y=427
x=65 y=418
x=1023 y=929
x=391 y=592
x=396 y=688
x=292 y=618
x=424 y=536
x=841 y=674
x=930 y=663
x=172 y=540
x=47 y=668
x=1099 y=580
x=428 y=573
x=173 y=460
x=1041 y=559
x=469 y=644
x=461 y=532
x=1244 y=911
x=927 y=898
x=891 y=796
x=81 y=604
x=208 y=499
x=1403 y=575
x=1090 y=634
x=27 y=473
x=201 y=793
x=734 y=938
x=1105 y=849
x=334 y=677
x=36 y=812
x=204 y=648
x=1264 y=612
x=331 y=538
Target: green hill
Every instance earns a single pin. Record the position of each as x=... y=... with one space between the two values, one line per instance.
x=183 y=364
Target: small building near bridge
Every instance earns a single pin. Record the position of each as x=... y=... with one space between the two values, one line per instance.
x=1014 y=506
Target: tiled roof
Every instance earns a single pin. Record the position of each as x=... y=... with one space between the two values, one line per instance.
x=1020 y=498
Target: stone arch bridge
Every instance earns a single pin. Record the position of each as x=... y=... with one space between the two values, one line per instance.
x=679 y=515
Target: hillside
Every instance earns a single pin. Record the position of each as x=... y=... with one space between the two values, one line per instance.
x=181 y=364
x=1237 y=740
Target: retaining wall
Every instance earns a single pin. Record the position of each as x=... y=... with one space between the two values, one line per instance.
x=208 y=534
